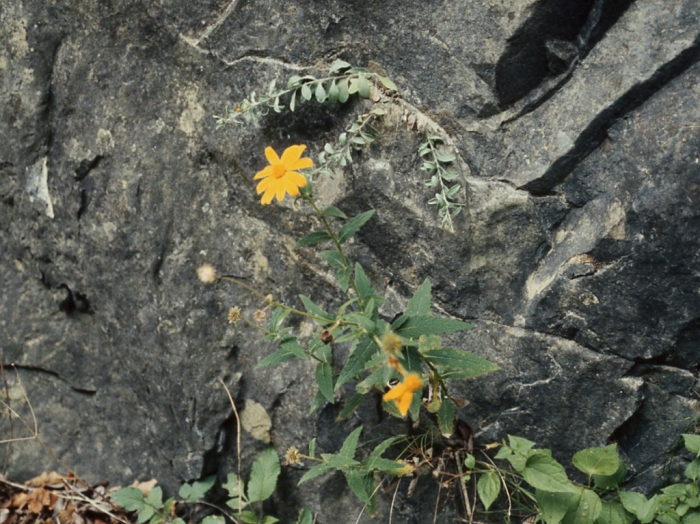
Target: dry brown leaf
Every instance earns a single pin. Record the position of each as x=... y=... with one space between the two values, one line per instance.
x=47 y=479
x=19 y=500
x=145 y=487
x=66 y=514
x=40 y=498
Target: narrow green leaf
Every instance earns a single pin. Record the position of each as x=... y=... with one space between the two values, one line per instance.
x=350 y=406
x=598 y=461
x=339 y=462
x=414 y=327
x=353 y=225
x=488 y=487
x=350 y=444
x=363 y=284
x=277 y=357
x=131 y=499
x=419 y=305
x=391 y=86
x=458 y=364
x=312 y=239
x=315 y=310
x=324 y=379
x=445 y=157
x=277 y=319
x=446 y=416
x=332 y=211
x=382 y=447
x=357 y=485
x=305 y=517
x=357 y=360
x=316 y=471
x=344 y=278
x=312 y=448
x=333 y=258
x=263 y=476
x=545 y=473
x=196 y=491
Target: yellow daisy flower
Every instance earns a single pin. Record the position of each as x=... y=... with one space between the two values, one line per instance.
x=403 y=393
x=281 y=177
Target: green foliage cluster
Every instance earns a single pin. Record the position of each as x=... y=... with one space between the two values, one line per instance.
x=339 y=85
x=246 y=501
x=558 y=500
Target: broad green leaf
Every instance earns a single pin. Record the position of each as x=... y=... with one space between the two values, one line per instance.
x=332 y=211
x=178 y=521
x=363 y=284
x=269 y=519
x=320 y=93
x=235 y=488
x=249 y=517
x=611 y=481
x=357 y=484
x=446 y=416
x=692 y=443
x=614 y=513
x=145 y=513
x=458 y=364
x=350 y=444
x=333 y=258
x=419 y=305
x=213 y=519
x=363 y=87
x=332 y=92
x=156 y=519
x=343 y=91
x=488 y=487
x=279 y=356
x=391 y=86
x=338 y=65
x=131 y=499
x=585 y=508
x=412 y=360
x=416 y=326
x=553 y=506
x=353 y=225
x=324 y=379
x=598 y=461
x=316 y=471
x=196 y=491
x=305 y=517
x=357 y=360
x=315 y=310
x=691 y=518
x=350 y=406
x=306 y=92
x=312 y=239
x=263 y=476
x=544 y=473
x=692 y=470
x=639 y=506
x=155 y=497
x=168 y=504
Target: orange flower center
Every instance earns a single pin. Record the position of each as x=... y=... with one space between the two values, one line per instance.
x=278 y=170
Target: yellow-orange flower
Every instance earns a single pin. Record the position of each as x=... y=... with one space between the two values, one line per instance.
x=403 y=393
x=281 y=177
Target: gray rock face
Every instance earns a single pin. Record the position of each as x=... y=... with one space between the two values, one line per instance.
x=576 y=256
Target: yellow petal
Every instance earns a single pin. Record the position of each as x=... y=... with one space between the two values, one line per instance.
x=405 y=402
x=295 y=178
x=280 y=192
x=271 y=155
x=412 y=382
x=267 y=197
x=302 y=163
x=394 y=393
x=264 y=184
x=292 y=154
x=264 y=173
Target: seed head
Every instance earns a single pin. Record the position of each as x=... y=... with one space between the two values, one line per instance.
x=234 y=315
x=292 y=456
x=207 y=274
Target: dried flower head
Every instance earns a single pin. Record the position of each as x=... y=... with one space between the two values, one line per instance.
x=292 y=456
x=207 y=274
x=391 y=343
x=234 y=315
x=281 y=177
x=326 y=336
x=259 y=316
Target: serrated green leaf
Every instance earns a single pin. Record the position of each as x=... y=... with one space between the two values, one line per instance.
x=598 y=461
x=379 y=377
x=611 y=481
x=488 y=487
x=316 y=471
x=344 y=278
x=320 y=93
x=277 y=319
x=363 y=284
x=692 y=470
x=277 y=357
x=263 y=476
x=332 y=211
x=544 y=473
x=367 y=324
x=156 y=519
x=419 y=305
x=415 y=326
x=353 y=225
x=333 y=258
x=324 y=379
x=356 y=361
x=363 y=87
x=458 y=364
x=339 y=462
x=350 y=444
x=155 y=497
x=312 y=239
x=343 y=91
x=350 y=406
x=306 y=92
x=305 y=517
x=131 y=499
x=197 y=490
x=145 y=513
x=316 y=311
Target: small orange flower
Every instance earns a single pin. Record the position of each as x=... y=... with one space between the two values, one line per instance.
x=280 y=176
x=403 y=393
